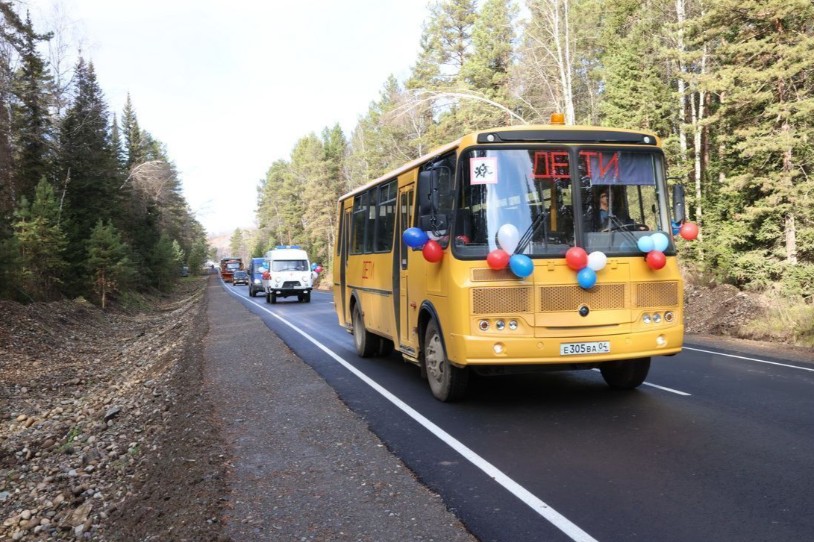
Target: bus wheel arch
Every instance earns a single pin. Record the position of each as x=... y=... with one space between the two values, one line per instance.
x=447 y=382
x=367 y=344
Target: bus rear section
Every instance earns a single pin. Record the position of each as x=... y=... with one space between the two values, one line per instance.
x=551 y=249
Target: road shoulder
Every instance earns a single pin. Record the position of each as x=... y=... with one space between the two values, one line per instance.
x=303 y=466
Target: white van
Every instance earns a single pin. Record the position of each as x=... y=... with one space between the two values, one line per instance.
x=289 y=273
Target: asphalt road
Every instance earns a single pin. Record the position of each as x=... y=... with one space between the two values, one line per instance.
x=717 y=445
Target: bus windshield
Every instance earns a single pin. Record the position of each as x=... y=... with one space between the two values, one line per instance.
x=533 y=189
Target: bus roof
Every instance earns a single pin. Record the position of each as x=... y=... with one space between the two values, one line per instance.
x=532 y=133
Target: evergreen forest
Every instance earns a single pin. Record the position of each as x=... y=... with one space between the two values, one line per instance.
x=90 y=202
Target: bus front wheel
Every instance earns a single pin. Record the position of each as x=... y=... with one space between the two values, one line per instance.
x=366 y=342
x=447 y=382
x=625 y=374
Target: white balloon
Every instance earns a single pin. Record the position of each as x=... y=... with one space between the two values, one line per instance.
x=508 y=236
x=597 y=260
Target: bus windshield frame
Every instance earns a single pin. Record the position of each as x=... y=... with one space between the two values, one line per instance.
x=622 y=196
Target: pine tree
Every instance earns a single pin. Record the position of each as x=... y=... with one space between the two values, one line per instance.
x=87 y=164
x=164 y=264
x=108 y=263
x=197 y=256
x=271 y=203
x=487 y=68
x=133 y=147
x=764 y=65
x=41 y=244
x=30 y=116
x=637 y=93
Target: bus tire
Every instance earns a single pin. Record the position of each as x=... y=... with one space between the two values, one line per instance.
x=367 y=344
x=447 y=382
x=625 y=374
x=268 y=297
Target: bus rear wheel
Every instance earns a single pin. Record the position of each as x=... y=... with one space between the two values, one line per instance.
x=625 y=374
x=367 y=344
x=447 y=382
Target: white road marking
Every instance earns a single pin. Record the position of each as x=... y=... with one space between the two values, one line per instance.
x=671 y=390
x=551 y=515
x=751 y=359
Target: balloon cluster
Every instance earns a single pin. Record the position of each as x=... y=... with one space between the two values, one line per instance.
x=316 y=267
x=586 y=265
x=654 y=246
x=418 y=238
x=508 y=236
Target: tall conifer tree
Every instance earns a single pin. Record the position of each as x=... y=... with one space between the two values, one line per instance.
x=87 y=163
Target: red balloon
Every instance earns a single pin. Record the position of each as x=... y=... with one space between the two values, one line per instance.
x=498 y=259
x=432 y=251
x=655 y=259
x=576 y=258
x=688 y=230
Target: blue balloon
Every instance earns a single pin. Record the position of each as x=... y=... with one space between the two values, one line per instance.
x=645 y=243
x=660 y=241
x=586 y=277
x=415 y=237
x=521 y=265
x=675 y=226
x=313 y=266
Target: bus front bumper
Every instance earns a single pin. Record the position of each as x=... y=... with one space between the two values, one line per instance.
x=506 y=350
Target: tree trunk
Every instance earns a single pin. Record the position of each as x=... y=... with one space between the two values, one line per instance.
x=682 y=85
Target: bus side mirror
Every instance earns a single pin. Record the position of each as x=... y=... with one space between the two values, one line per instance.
x=428 y=192
x=678 y=203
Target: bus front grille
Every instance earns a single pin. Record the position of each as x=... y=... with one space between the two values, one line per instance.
x=501 y=300
x=486 y=275
x=571 y=298
x=656 y=294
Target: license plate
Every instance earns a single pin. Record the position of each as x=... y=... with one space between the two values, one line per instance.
x=574 y=349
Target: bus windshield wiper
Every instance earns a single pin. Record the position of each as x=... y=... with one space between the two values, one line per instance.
x=529 y=233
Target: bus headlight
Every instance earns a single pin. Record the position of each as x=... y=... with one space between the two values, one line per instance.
x=483 y=325
x=669 y=316
x=512 y=324
x=498 y=348
x=646 y=318
x=656 y=318
x=500 y=325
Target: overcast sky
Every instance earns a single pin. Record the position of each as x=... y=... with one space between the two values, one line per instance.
x=230 y=86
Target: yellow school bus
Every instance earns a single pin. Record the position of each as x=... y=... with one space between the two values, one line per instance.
x=546 y=196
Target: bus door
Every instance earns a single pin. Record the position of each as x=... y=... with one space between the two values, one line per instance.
x=344 y=247
x=406 y=314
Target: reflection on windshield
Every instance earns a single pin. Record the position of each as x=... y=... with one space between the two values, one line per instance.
x=529 y=190
x=532 y=190
x=289 y=265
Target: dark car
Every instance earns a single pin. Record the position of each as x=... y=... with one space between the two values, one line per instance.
x=240 y=277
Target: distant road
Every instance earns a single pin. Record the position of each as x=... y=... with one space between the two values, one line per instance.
x=716 y=445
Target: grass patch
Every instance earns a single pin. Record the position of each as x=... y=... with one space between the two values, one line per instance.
x=786 y=320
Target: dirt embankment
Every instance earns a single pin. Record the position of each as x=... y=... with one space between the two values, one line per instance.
x=103 y=432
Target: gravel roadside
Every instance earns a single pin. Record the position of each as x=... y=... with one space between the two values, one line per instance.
x=302 y=465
